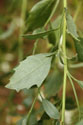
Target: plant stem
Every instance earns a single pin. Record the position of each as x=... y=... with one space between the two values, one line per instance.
x=35 y=46
x=76 y=97
x=65 y=64
x=76 y=65
x=30 y=111
x=23 y=14
x=56 y=4
x=77 y=11
x=36 y=42
x=34 y=49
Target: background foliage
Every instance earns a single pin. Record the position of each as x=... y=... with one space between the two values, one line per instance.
x=14 y=46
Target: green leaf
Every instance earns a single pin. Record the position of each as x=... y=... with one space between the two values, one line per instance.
x=38 y=35
x=53 y=37
x=39 y=14
x=71 y=27
x=22 y=121
x=32 y=120
x=80 y=83
x=57 y=22
x=32 y=71
x=80 y=122
x=53 y=83
x=39 y=30
x=50 y=109
x=79 y=49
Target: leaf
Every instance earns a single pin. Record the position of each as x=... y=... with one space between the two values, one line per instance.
x=39 y=14
x=39 y=30
x=32 y=120
x=22 y=121
x=80 y=83
x=50 y=109
x=38 y=35
x=53 y=83
x=53 y=37
x=80 y=122
x=79 y=48
x=56 y=23
x=32 y=71
x=71 y=27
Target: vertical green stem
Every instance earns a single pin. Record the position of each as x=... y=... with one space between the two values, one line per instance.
x=65 y=64
x=74 y=90
x=35 y=46
x=77 y=11
x=23 y=14
x=54 y=9
x=30 y=111
x=65 y=3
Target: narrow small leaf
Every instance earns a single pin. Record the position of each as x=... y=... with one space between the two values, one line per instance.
x=38 y=35
x=50 y=109
x=38 y=30
x=39 y=14
x=80 y=83
x=79 y=49
x=71 y=27
x=32 y=71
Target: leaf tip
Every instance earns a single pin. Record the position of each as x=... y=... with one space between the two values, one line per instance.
x=8 y=86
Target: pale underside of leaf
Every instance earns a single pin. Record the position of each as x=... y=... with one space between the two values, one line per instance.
x=79 y=49
x=50 y=109
x=32 y=71
x=71 y=27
